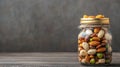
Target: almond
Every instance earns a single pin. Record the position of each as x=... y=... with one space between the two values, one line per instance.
x=95 y=39
x=81 y=40
x=103 y=44
x=91 y=56
x=99 y=46
x=104 y=41
x=80 y=58
x=87 y=58
x=94 y=43
x=102 y=49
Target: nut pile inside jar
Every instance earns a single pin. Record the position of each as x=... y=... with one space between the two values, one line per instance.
x=94 y=44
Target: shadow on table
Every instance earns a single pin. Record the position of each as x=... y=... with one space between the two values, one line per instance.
x=114 y=64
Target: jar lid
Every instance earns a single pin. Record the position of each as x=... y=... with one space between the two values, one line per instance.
x=94 y=21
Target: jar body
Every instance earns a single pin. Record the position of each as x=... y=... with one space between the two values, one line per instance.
x=94 y=45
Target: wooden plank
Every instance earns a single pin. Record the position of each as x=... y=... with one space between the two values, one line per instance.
x=41 y=54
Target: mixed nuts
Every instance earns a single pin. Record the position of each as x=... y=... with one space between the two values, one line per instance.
x=94 y=44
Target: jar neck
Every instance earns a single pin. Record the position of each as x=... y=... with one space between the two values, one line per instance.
x=93 y=25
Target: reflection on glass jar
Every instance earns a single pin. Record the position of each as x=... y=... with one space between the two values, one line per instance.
x=94 y=41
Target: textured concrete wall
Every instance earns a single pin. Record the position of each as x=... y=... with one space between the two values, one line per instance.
x=51 y=25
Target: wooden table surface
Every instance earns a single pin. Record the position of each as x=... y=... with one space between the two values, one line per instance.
x=56 y=59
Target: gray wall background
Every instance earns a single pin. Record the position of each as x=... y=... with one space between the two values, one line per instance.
x=51 y=25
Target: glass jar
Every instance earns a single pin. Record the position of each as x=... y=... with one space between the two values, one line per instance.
x=94 y=41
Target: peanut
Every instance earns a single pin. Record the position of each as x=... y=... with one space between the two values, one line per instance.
x=99 y=16
x=96 y=30
x=85 y=16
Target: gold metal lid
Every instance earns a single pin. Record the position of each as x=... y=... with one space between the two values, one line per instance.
x=94 y=21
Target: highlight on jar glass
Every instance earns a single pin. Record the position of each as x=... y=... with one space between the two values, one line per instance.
x=94 y=40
